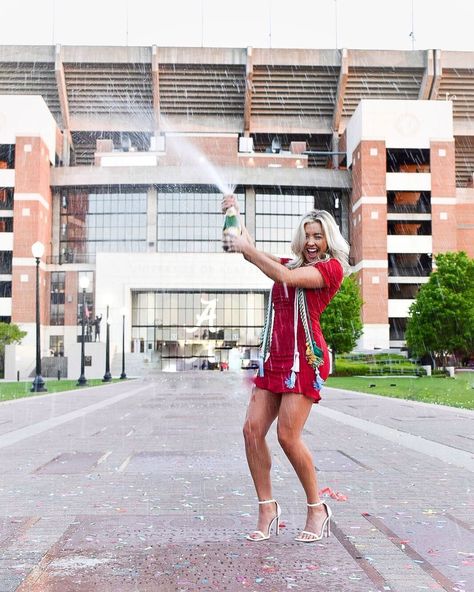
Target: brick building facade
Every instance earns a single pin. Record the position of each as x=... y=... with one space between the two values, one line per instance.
x=116 y=161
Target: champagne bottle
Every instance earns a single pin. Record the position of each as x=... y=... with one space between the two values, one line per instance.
x=231 y=224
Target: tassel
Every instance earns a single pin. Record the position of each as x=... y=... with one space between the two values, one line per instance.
x=296 y=362
x=318 y=383
x=291 y=380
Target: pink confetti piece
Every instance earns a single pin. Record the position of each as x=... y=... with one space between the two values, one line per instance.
x=340 y=497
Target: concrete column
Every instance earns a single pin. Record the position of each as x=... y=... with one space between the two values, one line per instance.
x=151 y=209
x=66 y=148
x=368 y=219
x=335 y=148
x=250 y=207
x=345 y=216
x=55 y=226
x=443 y=197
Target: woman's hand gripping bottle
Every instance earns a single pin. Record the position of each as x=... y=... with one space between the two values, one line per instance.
x=232 y=226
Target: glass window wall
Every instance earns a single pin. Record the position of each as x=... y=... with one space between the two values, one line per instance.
x=195 y=327
x=277 y=215
x=58 y=279
x=98 y=221
x=189 y=220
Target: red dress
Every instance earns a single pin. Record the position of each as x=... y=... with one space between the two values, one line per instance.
x=277 y=368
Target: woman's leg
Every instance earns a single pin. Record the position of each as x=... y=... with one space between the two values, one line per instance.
x=261 y=413
x=292 y=416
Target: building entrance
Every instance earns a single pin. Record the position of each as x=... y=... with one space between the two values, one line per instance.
x=191 y=330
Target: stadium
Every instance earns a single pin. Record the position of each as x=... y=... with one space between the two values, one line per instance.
x=116 y=160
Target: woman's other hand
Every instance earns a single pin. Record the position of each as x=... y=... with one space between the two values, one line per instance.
x=235 y=243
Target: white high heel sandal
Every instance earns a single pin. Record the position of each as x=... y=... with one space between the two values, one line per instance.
x=261 y=536
x=325 y=528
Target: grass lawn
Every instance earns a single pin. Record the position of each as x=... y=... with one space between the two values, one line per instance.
x=455 y=392
x=17 y=390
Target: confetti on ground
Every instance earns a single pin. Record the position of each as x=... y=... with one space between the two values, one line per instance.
x=340 y=497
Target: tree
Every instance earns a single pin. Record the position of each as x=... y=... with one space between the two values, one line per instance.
x=341 y=322
x=9 y=333
x=441 y=321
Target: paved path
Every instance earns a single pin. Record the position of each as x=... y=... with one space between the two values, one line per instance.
x=143 y=486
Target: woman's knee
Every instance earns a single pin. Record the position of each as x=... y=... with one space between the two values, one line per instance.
x=287 y=437
x=253 y=430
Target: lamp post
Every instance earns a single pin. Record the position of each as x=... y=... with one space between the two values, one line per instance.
x=83 y=284
x=38 y=383
x=123 y=375
x=107 y=375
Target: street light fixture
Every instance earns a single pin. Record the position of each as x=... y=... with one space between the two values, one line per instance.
x=107 y=375
x=83 y=284
x=38 y=383
x=123 y=375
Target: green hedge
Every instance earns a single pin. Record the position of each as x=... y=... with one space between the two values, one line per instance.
x=348 y=367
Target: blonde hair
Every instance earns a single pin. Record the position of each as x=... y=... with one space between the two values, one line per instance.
x=338 y=248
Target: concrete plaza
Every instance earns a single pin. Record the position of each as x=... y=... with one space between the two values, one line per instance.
x=143 y=486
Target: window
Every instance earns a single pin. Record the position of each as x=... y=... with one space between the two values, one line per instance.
x=5 y=289
x=89 y=302
x=57 y=297
x=397 y=329
x=190 y=220
x=408 y=160
x=409 y=264
x=403 y=291
x=7 y=156
x=96 y=221
x=196 y=324
x=6 y=262
x=408 y=202
x=56 y=345
x=6 y=198
x=277 y=216
x=6 y=224
x=409 y=227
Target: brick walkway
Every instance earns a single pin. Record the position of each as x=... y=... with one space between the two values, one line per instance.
x=143 y=486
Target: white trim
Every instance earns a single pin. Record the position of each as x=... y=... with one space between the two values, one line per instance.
x=5 y=277
x=374 y=335
x=6 y=307
x=202 y=134
x=443 y=201
x=31 y=197
x=409 y=217
x=409 y=243
x=7 y=178
x=370 y=264
x=395 y=343
x=6 y=241
x=381 y=200
x=408 y=182
x=408 y=279
x=398 y=307
x=27 y=262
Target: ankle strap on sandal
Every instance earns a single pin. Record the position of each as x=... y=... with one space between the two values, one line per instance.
x=315 y=505
x=267 y=501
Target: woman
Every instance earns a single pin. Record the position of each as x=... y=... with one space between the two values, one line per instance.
x=295 y=361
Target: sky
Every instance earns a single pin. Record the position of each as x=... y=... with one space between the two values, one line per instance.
x=317 y=24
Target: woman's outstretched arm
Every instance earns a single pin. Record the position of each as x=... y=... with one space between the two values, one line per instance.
x=301 y=277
